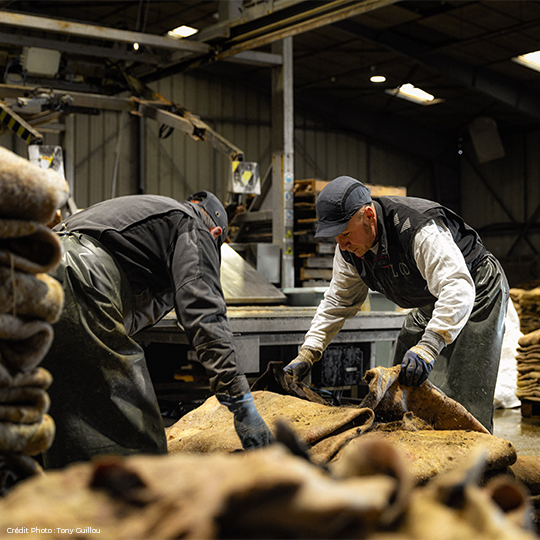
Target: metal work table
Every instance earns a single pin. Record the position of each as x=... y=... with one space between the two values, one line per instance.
x=261 y=326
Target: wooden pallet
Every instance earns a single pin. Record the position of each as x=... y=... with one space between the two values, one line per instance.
x=530 y=409
x=313 y=186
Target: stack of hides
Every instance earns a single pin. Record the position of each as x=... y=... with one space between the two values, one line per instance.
x=527 y=304
x=30 y=302
x=528 y=366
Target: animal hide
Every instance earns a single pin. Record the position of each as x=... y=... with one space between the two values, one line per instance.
x=210 y=427
x=25 y=405
x=28 y=439
x=433 y=452
x=27 y=191
x=38 y=378
x=528 y=367
x=32 y=296
x=268 y=493
x=23 y=345
x=433 y=431
x=526 y=470
x=28 y=246
x=391 y=401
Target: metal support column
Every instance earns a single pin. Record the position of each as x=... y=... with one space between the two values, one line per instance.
x=69 y=152
x=283 y=159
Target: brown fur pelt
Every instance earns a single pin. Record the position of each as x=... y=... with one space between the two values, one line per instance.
x=35 y=296
x=28 y=246
x=23 y=344
x=27 y=191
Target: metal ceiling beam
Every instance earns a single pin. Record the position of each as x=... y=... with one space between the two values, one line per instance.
x=181 y=49
x=222 y=29
x=309 y=20
x=78 y=48
x=312 y=22
x=89 y=31
x=495 y=85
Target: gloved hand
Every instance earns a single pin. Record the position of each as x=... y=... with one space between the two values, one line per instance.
x=300 y=367
x=248 y=423
x=418 y=360
x=414 y=368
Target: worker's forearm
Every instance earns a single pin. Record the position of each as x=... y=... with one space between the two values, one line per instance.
x=344 y=297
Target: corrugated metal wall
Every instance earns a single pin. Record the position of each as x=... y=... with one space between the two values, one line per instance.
x=106 y=146
x=177 y=165
x=503 y=191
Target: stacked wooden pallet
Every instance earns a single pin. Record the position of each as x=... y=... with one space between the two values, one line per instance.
x=313 y=257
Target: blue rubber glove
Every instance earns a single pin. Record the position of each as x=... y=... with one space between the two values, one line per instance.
x=248 y=423
x=414 y=369
x=418 y=360
x=300 y=367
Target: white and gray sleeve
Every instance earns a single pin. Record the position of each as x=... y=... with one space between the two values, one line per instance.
x=443 y=266
x=344 y=297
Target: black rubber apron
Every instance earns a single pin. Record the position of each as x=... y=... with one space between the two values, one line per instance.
x=467 y=369
x=102 y=397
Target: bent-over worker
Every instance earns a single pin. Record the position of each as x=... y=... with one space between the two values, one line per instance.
x=126 y=263
x=420 y=255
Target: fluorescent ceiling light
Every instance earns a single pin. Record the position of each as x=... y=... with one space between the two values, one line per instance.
x=414 y=94
x=182 y=31
x=530 y=60
x=377 y=78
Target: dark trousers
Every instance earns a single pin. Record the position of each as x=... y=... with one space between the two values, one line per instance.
x=102 y=398
x=467 y=369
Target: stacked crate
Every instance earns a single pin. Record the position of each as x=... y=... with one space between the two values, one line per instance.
x=313 y=257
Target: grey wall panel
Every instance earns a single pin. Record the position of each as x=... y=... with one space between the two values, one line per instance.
x=96 y=145
x=500 y=197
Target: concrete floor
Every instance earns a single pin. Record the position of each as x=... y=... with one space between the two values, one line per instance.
x=523 y=433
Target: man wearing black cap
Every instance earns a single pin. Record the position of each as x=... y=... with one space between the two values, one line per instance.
x=420 y=255
x=127 y=262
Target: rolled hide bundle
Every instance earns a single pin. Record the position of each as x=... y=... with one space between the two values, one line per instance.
x=37 y=296
x=28 y=439
x=28 y=246
x=23 y=345
x=27 y=191
x=37 y=378
x=14 y=468
x=24 y=404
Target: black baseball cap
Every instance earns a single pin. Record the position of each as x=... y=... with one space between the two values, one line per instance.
x=337 y=203
x=213 y=207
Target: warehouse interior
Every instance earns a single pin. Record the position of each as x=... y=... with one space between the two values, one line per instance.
x=263 y=103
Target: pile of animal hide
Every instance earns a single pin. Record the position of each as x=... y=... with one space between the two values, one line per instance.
x=30 y=302
x=527 y=304
x=431 y=430
x=528 y=367
x=268 y=493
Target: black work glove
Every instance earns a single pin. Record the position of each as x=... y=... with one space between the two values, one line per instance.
x=300 y=367
x=418 y=360
x=248 y=423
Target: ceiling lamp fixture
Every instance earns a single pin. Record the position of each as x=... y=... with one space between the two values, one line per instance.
x=412 y=93
x=182 y=32
x=530 y=60
x=377 y=78
x=376 y=75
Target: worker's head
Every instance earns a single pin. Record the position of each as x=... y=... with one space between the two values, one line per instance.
x=345 y=212
x=213 y=208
